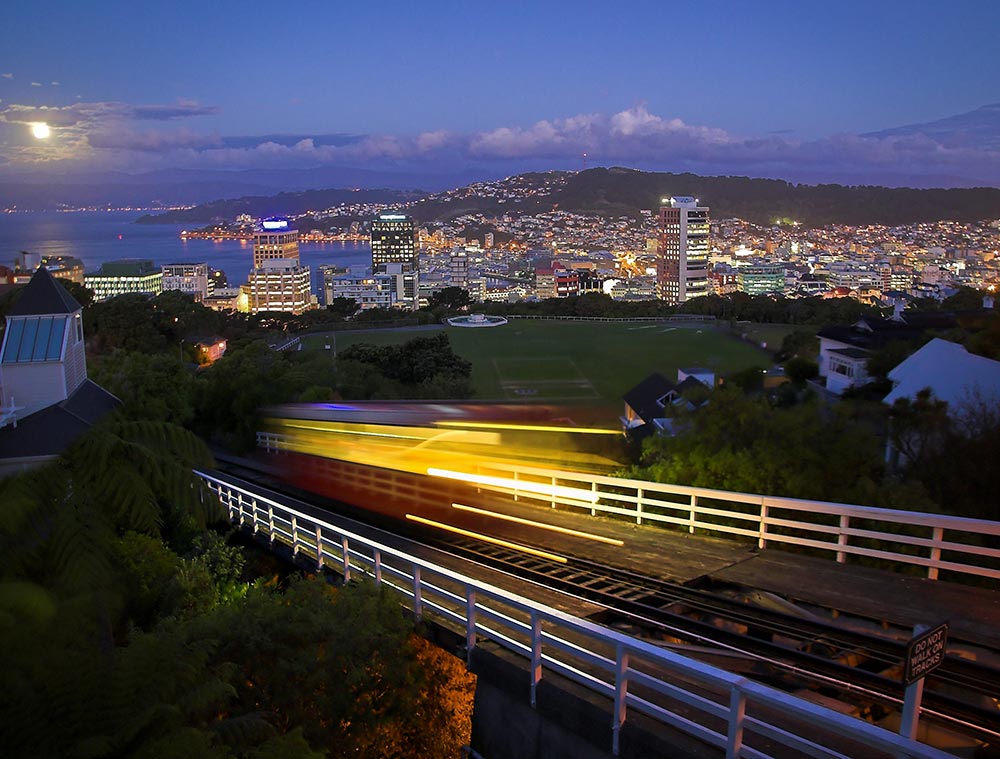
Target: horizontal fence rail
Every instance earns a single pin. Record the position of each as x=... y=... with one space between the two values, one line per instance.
x=739 y=717
x=623 y=319
x=933 y=542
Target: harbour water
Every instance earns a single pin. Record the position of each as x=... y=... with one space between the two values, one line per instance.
x=96 y=237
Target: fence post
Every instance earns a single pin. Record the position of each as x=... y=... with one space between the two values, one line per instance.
x=347 y=560
x=737 y=712
x=621 y=696
x=638 y=506
x=253 y=503
x=270 y=524
x=937 y=536
x=694 y=513
x=470 y=622
x=239 y=500
x=378 y=567
x=845 y=522
x=762 y=537
x=553 y=491
x=515 y=487
x=593 y=508
x=295 y=538
x=536 y=654
x=418 y=606
x=319 y=549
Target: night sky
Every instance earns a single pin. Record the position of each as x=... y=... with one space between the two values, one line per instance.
x=776 y=88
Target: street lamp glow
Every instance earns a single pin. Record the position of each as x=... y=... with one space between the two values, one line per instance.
x=41 y=130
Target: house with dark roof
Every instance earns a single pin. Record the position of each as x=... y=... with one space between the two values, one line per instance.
x=647 y=404
x=46 y=399
x=844 y=350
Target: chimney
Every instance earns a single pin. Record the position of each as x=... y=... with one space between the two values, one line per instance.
x=988 y=301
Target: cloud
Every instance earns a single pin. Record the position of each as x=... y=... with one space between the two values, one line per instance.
x=151 y=141
x=7 y=76
x=36 y=84
x=55 y=84
x=91 y=132
x=109 y=134
x=180 y=110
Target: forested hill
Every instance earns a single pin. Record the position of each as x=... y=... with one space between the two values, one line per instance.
x=624 y=191
x=283 y=204
x=620 y=192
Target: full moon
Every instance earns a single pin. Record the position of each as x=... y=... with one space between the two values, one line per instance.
x=40 y=130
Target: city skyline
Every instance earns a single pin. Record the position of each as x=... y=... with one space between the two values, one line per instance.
x=808 y=94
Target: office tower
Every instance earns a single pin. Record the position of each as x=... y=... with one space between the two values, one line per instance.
x=458 y=267
x=278 y=282
x=394 y=251
x=275 y=240
x=682 y=252
x=190 y=278
x=128 y=276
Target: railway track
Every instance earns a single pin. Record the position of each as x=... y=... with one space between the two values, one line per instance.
x=793 y=652
x=785 y=650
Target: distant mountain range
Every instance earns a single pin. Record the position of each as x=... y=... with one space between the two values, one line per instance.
x=976 y=130
x=624 y=192
x=282 y=204
x=51 y=190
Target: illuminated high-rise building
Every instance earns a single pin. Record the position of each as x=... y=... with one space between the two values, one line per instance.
x=682 y=250
x=275 y=239
x=278 y=282
x=190 y=278
x=458 y=267
x=394 y=245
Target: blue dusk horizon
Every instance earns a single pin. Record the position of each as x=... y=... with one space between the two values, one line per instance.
x=891 y=92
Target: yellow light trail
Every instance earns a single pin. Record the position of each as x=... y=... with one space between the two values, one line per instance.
x=531 y=427
x=316 y=428
x=553 y=491
x=488 y=539
x=542 y=525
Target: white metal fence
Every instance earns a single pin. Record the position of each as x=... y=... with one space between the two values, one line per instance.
x=932 y=541
x=895 y=537
x=739 y=717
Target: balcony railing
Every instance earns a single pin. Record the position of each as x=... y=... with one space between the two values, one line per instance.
x=739 y=717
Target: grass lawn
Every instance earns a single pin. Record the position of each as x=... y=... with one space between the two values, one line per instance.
x=578 y=363
x=772 y=334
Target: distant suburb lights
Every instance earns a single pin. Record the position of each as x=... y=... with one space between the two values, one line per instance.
x=41 y=130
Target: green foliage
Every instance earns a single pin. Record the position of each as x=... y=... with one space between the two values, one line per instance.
x=426 y=364
x=342 y=307
x=341 y=665
x=888 y=357
x=748 y=380
x=952 y=453
x=450 y=299
x=741 y=443
x=155 y=386
x=799 y=343
x=123 y=323
x=800 y=369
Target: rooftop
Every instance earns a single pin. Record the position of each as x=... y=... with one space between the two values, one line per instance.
x=43 y=296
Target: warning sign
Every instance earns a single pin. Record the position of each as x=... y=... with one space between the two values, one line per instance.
x=925 y=653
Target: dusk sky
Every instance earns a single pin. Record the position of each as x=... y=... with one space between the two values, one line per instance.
x=768 y=89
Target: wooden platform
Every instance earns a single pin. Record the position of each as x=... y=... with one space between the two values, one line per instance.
x=973 y=612
x=881 y=595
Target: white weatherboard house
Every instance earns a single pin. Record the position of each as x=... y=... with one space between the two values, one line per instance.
x=950 y=371
x=43 y=359
x=46 y=400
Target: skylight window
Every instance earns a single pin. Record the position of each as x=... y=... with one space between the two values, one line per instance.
x=37 y=338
